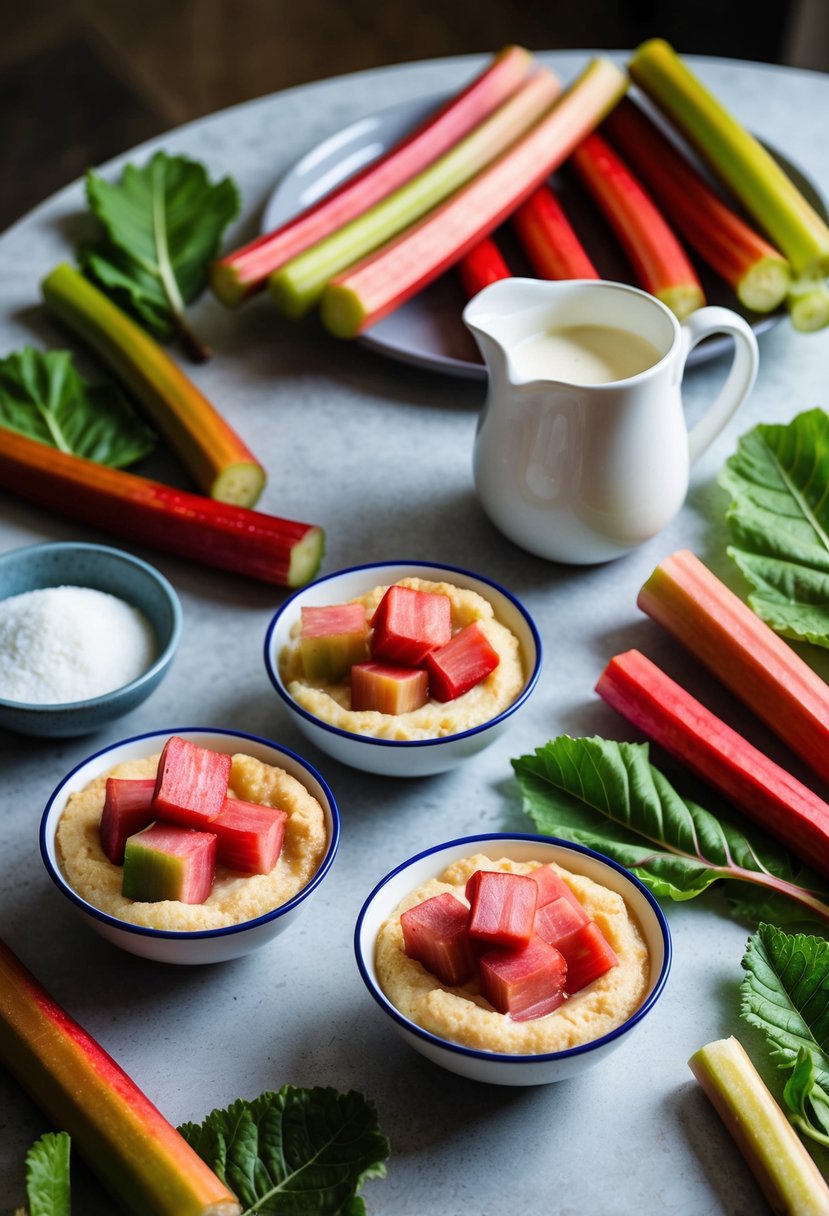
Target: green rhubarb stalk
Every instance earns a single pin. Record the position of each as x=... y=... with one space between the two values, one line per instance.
x=808 y=305
x=735 y=156
x=219 y=462
x=136 y=1153
x=298 y=285
x=688 y=600
x=385 y=279
x=785 y=1172
x=243 y=272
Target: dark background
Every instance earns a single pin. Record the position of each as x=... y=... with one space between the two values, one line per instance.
x=82 y=80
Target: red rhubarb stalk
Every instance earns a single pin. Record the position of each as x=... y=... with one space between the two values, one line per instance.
x=685 y=597
x=660 y=264
x=245 y=271
x=549 y=239
x=383 y=281
x=758 y=787
x=758 y=273
x=147 y=1166
x=214 y=455
x=482 y=265
x=148 y=513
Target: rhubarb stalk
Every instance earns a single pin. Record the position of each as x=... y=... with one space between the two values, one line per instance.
x=549 y=240
x=784 y=1171
x=482 y=265
x=758 y=787
x=661 y=265
x=298 y=285
x=382 y=281
x=138 y=1156
x=217 y=459
x=685 y=597
x=758 y=273
x=245 y=271
x=148 y=513
x=735 y=156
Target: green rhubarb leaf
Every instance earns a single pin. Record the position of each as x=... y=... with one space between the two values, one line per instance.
x=778 y=480
x=785 y=994
x=164 y=224
x=608 y=796
x=43 y=397
x=47 y=1175
x=296 y=1151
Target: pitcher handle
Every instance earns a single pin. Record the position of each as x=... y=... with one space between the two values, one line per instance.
x=702 y=324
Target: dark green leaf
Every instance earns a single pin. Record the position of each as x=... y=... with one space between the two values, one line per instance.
x=44 y=398
x=608 y=795
x=779 y=521
x=806 y=1100
x=294 y=1152
x=47 y=1175
x=164 y=223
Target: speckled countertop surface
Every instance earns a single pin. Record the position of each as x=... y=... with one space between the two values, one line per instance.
x=380 y=454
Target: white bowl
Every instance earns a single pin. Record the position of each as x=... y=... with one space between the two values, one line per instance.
x=397 y=757
x=203 y=946
x=498 y=1068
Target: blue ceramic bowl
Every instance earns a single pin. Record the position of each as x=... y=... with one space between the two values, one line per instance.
x=398 y=757
x=77 y=564
x=196 y=946
x=499 y=1068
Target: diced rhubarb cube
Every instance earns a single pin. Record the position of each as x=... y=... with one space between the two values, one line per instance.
x=331 y=639
x=388 y=689
x=461 y=664
x=249 y=836
x=502 y=907
x=435 y=934
x=191 y=783
x=165 y=861
x=128 y=807
x=589 y=955
x=558 y=922
x=552 y=886
x=526 y=982
x=408 y=624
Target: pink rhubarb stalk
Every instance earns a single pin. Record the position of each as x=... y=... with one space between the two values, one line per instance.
x=373 y=287
x=145 y=1164
x=660 y=264
x=685 y=597
x=758 y=787
x=245 y=271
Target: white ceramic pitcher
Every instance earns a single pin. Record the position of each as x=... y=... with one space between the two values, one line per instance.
x=584 y=472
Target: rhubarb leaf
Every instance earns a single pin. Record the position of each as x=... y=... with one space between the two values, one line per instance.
x=43 y=397
x=608 y=796
x=779 y=521
x=785 y=994
x=47 y=1175
x=297 y=1150
x=164 y=223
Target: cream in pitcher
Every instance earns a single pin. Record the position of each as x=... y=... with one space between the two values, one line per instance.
x=582 y=450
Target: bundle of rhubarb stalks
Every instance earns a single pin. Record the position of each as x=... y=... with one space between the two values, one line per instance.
x=676 y=174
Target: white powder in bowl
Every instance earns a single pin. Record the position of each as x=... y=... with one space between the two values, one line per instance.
x=62 y=644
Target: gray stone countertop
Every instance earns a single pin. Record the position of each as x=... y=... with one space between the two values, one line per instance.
x=380 y=454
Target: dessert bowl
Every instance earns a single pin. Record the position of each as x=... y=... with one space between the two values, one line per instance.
x=210 y=945
x=495 y=1066
x=400 y=757
x=105 y=569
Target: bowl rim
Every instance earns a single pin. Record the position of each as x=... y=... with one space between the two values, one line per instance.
x=189 y=935
x=475 y=1053
x=406 y=744
x=162 y=658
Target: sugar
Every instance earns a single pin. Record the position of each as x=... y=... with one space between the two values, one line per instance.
x=63 y=644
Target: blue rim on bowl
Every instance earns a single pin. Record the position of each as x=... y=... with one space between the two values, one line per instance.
x=271 y=662
x=191 y=934
x=473 y=1053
